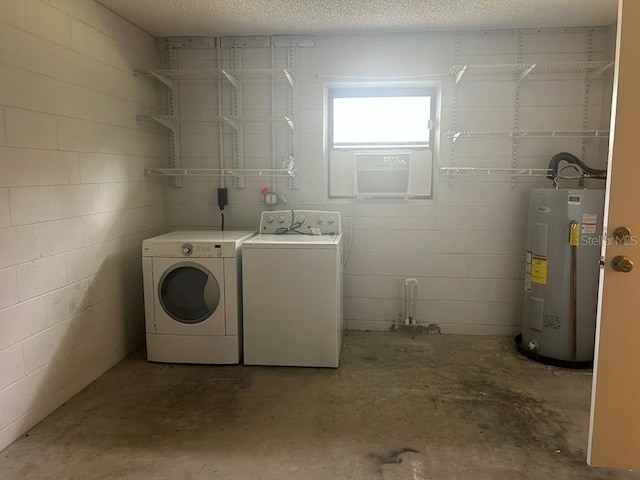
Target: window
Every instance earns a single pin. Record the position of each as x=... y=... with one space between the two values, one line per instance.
x=381 y=141
x=381 y=118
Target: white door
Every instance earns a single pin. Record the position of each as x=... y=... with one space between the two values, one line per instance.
x=189 y=296
x=614 y=434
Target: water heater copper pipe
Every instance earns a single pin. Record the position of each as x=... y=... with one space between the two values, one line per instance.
x=574 y=295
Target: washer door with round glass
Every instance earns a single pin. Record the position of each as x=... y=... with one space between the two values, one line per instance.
x=189 y=296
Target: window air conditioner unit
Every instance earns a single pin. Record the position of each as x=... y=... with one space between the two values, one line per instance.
x=390 y=174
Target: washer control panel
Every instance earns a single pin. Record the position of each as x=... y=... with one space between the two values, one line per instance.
x=313 y=222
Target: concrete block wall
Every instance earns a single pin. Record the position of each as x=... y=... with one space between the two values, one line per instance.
x=466 y=245
x=74 y=202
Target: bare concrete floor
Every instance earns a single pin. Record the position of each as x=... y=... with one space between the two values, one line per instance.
x=401 y=406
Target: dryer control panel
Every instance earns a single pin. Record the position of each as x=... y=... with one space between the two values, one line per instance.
x=309 y=222
x=192 y=250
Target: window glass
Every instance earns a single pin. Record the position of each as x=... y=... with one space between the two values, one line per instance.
x=381 y=121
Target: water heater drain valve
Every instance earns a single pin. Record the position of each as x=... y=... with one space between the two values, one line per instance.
x=533 y=346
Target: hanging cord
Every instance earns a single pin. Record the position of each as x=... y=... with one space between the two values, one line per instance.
x=223 y=199
x=293 y=228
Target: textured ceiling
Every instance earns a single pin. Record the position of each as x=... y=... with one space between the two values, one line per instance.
x=263 y=17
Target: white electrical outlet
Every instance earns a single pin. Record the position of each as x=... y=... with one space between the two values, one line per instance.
x=271 y=198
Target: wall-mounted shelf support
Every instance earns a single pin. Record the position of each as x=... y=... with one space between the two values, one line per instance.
x=237 y=108
x=232 y=123
x=525 y=72
x=595 y=73
x=170 y=124
x=460 y=73
x=290 y=78
x=290 y=123
x=175 y=146
x=232 y=80
x=292 y=109
x=516 y=107
x=161 y=78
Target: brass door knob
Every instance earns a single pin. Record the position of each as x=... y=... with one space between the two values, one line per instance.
x=622 y=263
x=622 y=234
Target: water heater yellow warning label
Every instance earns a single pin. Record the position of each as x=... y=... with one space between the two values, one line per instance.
x=539 y=270
x=574 y=235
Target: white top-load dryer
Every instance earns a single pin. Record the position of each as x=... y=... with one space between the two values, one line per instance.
x=292 y=284
x=193 y=296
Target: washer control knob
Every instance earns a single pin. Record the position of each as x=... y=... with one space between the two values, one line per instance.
x=300 y=219
x=187 y=249
x=330 y=220
x=320 y=221
x=269 y=219
x=281 y=219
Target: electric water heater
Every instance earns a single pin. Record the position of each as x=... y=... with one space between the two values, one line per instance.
x=562 y=262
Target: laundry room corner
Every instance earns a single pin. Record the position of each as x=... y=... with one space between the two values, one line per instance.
x=74 y=202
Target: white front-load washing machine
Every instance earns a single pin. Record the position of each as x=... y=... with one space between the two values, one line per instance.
x=193 y=296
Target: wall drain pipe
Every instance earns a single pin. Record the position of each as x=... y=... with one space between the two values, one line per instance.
x=410 y=300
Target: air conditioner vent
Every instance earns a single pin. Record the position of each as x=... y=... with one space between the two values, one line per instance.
x=395 y=174
x=382 y=173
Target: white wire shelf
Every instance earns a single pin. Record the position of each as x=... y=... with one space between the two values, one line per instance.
x=220 y=172
x=214 y=118
x=169 y=121
x=231 y=74
x=455 y=135
x=593 y=69
x=494 y=171
x=181 y=118
x=208 y=72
